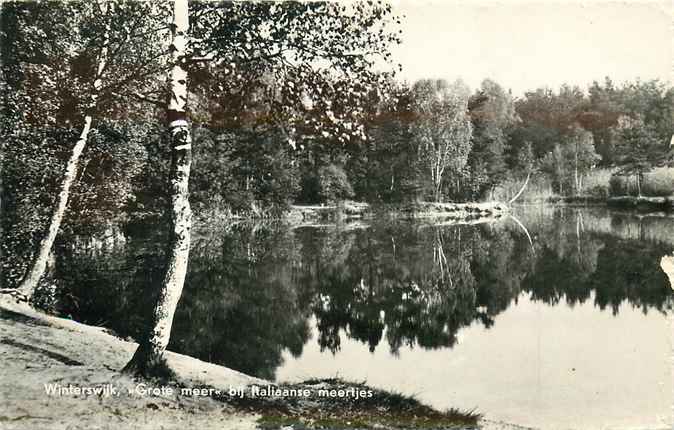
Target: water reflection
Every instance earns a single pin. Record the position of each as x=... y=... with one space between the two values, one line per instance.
x=252 y=292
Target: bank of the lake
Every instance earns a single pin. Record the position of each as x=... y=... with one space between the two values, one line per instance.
x=299 y=214
x=643 y=204
x=42 y=352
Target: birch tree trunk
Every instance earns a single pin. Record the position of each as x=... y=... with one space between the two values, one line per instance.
x=39 y=263
x=667 y=266
x=575 y=171
x=148 y=359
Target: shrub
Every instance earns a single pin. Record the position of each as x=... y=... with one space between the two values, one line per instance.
x=622 y=185
x=333 y=185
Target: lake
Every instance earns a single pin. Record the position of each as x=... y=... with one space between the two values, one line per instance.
x=564 y=325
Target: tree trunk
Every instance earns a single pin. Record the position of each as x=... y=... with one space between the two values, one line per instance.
x=667 y=266
x=39 y=263
x=575 y=172
x=638 y=184
x=148 y=359
x=393 y=179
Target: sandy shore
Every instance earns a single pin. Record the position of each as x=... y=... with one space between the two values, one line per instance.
x=37 y=349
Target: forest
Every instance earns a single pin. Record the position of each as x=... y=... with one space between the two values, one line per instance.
x=269 y=105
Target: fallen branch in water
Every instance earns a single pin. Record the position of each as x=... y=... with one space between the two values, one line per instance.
x=526 y=181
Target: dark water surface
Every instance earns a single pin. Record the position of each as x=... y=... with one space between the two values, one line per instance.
x=569 y=331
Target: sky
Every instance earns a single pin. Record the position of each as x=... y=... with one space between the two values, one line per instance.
x=526 y=44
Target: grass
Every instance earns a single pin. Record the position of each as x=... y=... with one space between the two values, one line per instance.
x=659 y=182
x=382 y=410
x=596 y=183
x=269 y=422
x=375 y=421
x=538 y=190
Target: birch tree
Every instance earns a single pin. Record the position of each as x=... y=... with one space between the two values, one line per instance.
x=442 y=130
x=96 y=51
x=149 y=357
x=581 y=145
x=39 y=264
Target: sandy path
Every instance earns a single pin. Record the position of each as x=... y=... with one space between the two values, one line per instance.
x=36 y=349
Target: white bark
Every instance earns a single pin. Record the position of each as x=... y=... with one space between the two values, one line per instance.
x=667 y=266
x=521 y=189
x=39 y=263
x=148 y=359
x=575 y=171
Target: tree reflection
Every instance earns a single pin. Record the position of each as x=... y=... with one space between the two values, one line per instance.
x=435 y=280
x=252 y=291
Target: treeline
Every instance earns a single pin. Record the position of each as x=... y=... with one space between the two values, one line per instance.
x=434 y=141
x=438 y=141
x=428 y=141
x=576 y=137
x=441 y=142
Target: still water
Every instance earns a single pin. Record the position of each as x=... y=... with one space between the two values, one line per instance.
x=563 y=326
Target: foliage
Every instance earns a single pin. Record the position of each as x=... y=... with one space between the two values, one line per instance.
x=548 y=119
x=570 y=160
x=659 y=182
x=313 y=61
x=493 y=115
x=332 y=184
x=48 y=68
x=441 y=131
x=386 y=167
x=244 y=171
x=621 y=185
x=637 y=145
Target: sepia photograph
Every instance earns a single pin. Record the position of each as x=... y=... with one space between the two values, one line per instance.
x=339 y=215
